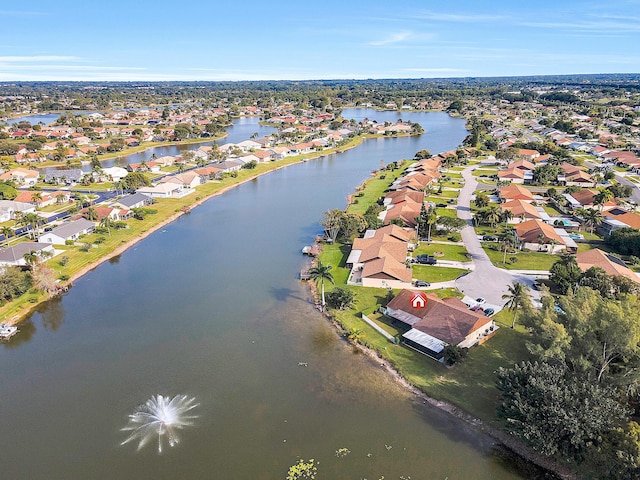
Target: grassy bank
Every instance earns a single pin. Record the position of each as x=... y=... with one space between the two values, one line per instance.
x=104 y=246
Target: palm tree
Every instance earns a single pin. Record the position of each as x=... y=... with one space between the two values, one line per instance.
x=35 y=198
x=603 y=197
x=7 y=232
x=32 y=220
x=515 y=299
x=592 y=217
x=106 y=222
x=31 y=258
x=492 y=215
x=91 y=214
x=506 y=216
x=321 y=272
x=506 y=240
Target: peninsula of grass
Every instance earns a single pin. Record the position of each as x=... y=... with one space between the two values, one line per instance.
x=372 y=189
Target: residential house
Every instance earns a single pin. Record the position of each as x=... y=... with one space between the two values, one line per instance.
x=610 y=264
x=575 y=175
x=136 y=200
x=379 y=258
x=537 y=236
x=522 y=211
x=9 y=208
x=150 y=166
x=70 y=231
x=165 y=190
x=617 y=218
x=438 y=323
x=585 y=198
x=208 y=173
x=37 y=198
x=187 y=179
x=21 y=176
x=66 y=176
x=14 y=256
x=515 y=192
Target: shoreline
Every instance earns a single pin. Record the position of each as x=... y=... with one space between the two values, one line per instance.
x=499 y=437
x=20 y=317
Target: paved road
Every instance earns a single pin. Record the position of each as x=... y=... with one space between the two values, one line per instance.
x=485 y=280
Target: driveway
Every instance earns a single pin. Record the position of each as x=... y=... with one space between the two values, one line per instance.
x=485 y=280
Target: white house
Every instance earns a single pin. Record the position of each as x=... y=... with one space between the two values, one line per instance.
x=8 y=209
x=14 y=256
x=165 y=190
x=67 y=231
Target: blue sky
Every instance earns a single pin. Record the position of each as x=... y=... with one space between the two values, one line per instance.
x=285 y=40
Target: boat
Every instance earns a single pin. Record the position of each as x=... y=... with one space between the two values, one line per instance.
x=7 y=331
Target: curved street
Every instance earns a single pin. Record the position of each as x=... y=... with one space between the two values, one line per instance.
x=485 y=280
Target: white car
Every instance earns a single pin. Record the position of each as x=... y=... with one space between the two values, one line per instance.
x=480 y=301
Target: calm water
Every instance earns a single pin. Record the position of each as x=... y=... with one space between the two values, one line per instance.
x=210 y=307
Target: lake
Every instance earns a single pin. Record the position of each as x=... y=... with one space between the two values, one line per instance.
x=211 y=307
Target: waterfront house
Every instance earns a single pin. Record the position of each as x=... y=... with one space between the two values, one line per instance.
x=166 y=190
x=14 y=256
x=378 y=259
x=439 y=323
x=136 y=200
x=69 y=231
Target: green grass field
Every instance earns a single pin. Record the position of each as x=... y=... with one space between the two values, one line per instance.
x=434 y=274
x=457 y=253
x=525 y=260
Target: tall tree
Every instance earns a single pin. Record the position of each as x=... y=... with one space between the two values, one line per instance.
x=516 y=299
x=319 y=273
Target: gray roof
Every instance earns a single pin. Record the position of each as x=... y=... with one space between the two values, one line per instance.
x=68 y=229
x=16 y=206
x=73 y=174
x=133 y=199
x=16 y=253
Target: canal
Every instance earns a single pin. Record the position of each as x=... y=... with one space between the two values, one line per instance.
x=210 y=307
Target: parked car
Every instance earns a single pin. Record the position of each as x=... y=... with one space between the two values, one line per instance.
x=441 y=205
x=480 y=300
x=426 y=259
x=488 y=312
x=421 y=283
x=489 y=238
x=476 y=308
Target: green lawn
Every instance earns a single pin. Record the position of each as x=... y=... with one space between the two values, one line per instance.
x=526 y=260
x=433 y=274
x=372 y=189
x=551 y=210
x=446 y=212
x=457 y=253
x=470 y=385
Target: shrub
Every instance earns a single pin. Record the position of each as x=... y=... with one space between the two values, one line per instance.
x=64 y=277
x=454 y=237
x=341 y=298
x=69 y=242
x=63 y=260
x=454 y=354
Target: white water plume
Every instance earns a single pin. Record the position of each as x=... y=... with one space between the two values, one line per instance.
x=160 y=417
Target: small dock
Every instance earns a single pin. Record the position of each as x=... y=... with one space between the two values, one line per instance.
x=312 y=250
x=7 y=331
x=304 y=274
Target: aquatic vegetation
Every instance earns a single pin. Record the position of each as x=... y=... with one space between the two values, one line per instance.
x=160 y=417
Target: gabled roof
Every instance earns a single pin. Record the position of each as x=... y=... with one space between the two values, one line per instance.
x=520 y=207
x=448 y=320
x=533 y=231
x=386 y=268
x=628 y=218
x=66 y=230
x=515 y=192
x=16 y=253
x=610 y=264
x=130 y=200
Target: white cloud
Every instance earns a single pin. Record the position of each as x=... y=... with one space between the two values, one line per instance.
x=36 y=58
x=392 y=39
x=453 y=17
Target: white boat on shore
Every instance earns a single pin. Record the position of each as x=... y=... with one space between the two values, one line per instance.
x=7 y=331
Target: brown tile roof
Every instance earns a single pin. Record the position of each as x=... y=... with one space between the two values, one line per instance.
x=629 y=218
x=610 y=264
x=520 y=207
x=403 y=194
x=530 y=231
x=448 y=320
x=515 y=192
x=511 y=173
x=387 y=268
x=407 y=211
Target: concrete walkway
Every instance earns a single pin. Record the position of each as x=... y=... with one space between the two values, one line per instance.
x=485 y=280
